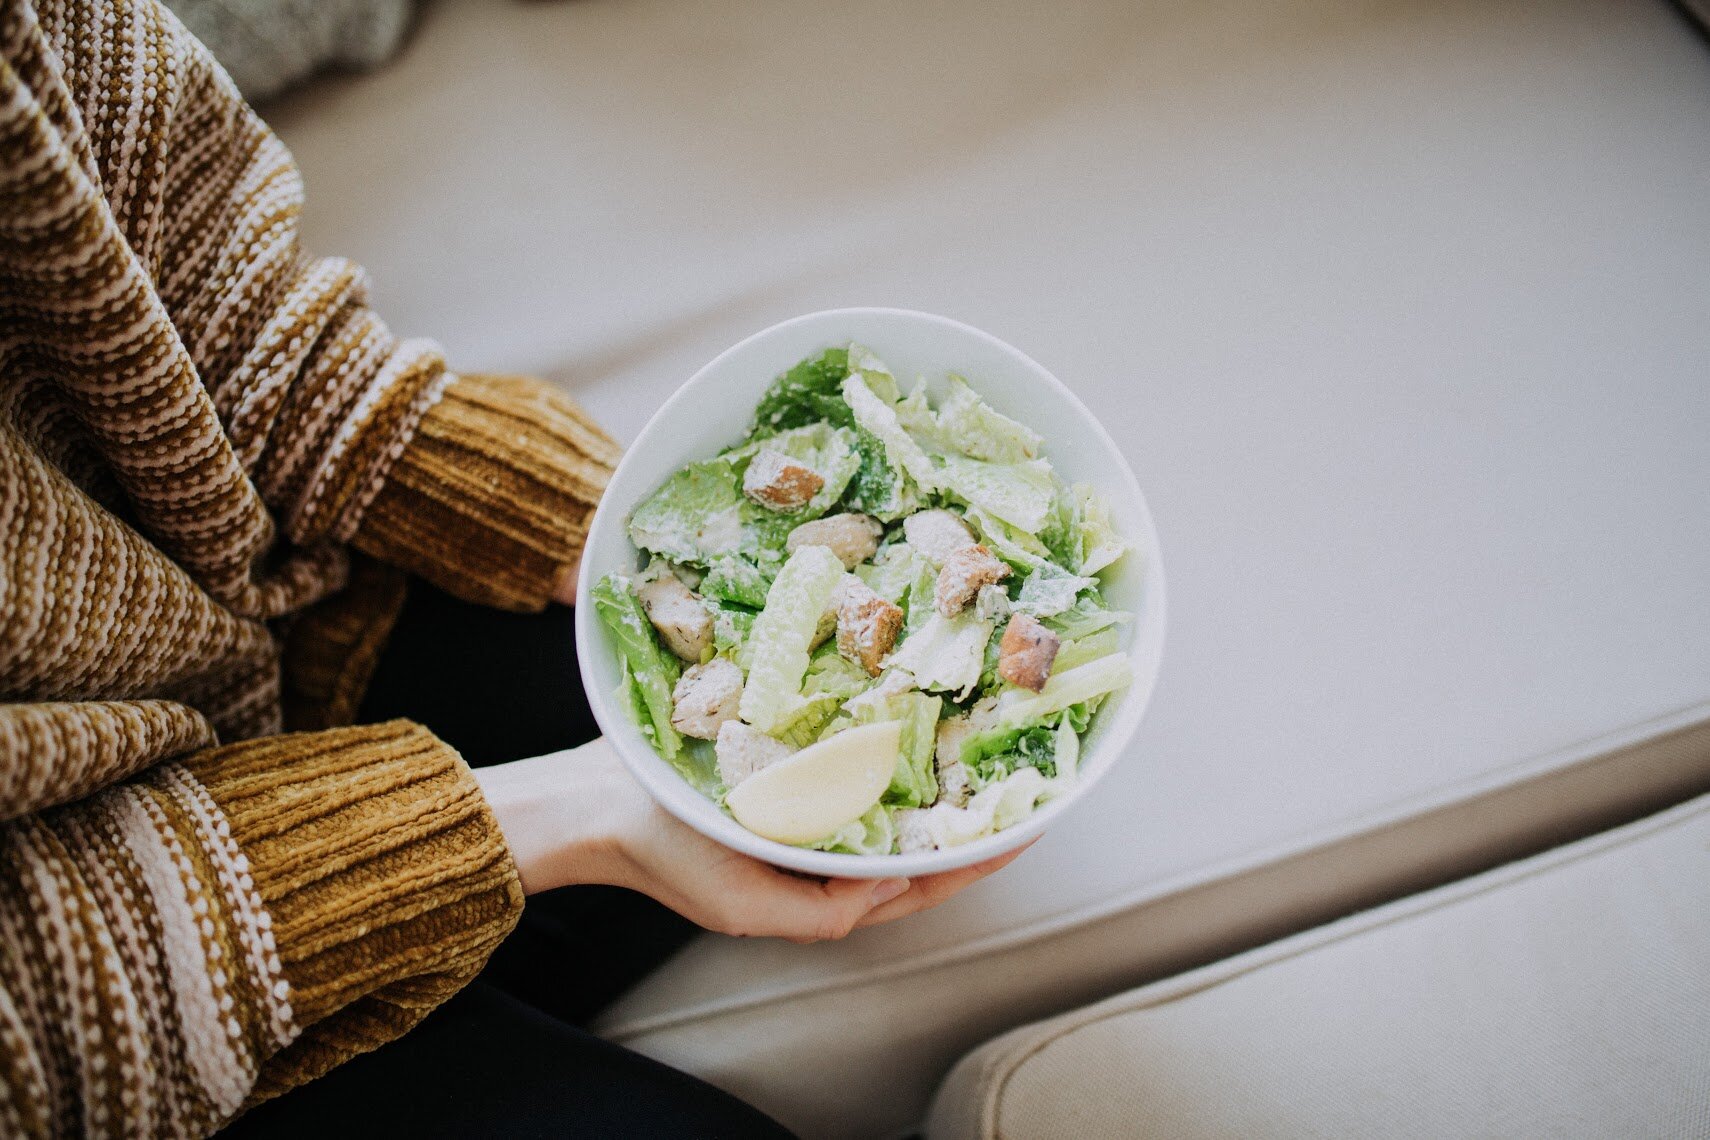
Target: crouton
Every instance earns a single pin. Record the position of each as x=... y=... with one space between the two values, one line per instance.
x=778 y=482
x=743 y=750
x=852 y=537
x=1026 y=652
x=683 y=623
x=937 y=534
x=867 y=625
x=705 y=697
x=962 y=575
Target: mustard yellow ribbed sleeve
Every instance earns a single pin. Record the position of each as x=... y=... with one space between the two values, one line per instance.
x=217 y=929
x=384 y=874
x=493 y=496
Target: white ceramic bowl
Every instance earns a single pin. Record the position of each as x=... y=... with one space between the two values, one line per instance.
x=713 y=410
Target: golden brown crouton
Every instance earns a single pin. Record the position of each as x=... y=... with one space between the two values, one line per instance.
x=1026 y=652
x=867 y=625
x=964 y=572
x=780 y=483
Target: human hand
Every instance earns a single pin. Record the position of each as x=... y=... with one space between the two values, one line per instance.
x=579 y=817
x=564 y=589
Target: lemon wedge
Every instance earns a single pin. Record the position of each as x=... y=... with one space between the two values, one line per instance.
x=814 y=792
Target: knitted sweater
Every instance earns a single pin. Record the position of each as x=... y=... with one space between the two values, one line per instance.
x=198 y=422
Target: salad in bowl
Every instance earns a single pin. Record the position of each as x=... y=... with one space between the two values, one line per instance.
x=877 y=624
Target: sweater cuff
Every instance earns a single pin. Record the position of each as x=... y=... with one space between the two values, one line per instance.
x=385 y=876
x=493 y=496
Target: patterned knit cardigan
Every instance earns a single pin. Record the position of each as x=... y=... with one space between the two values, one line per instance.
x=198 y=423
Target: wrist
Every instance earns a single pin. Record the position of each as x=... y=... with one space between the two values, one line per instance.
x=563 y=816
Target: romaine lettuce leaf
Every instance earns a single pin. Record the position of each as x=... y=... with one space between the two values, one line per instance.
x=877 y=417
x=946 y=654
x=918 y=604
x=1098 y=543
x=994 y=753
x=807 y=393
x=778 y=643
x=1087 y=615
x=1080 y=650
x=872 y=834
x=731 y=625
x=916 y=416
x=1020 y=494
x=651 y=672
x=879 y=379
x=879 y=487
x=915 y=781
x=1050 y=590
x=891 y=571
x=972 y=427
x=734 y=578
x=696 y=516
x=1018 y=707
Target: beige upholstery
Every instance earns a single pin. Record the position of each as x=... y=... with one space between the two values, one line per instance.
x=1564 y=996
x=1396 y=307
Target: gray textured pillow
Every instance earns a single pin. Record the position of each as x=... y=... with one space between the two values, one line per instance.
x=267 y=45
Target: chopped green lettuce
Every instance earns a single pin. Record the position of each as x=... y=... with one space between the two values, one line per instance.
x=972 y=427
x=946 y=654
x=650 y=672
x=1087 y=615
x=1080 y=650
x=918 y=604
x=891 y=572
x=731 y=626
x=1020 y=494
x=994 y=753
x=1093 y=679
x=808 y=393
x=990 y=809
x=1018 y=548
x=915 y=781
x=917 y=418
x=1050 y=590
x=877 y=417
x=743 y=581
x=696 y=516
x=1097 y=541
x=878 y=377
x=879 y=488
x=872 y=834
x=778 y=643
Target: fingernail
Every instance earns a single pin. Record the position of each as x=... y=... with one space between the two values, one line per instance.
x=887 y=890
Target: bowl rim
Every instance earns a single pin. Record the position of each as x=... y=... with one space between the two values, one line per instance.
x=667 y=786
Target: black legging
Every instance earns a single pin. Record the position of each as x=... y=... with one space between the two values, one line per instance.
x=506 y=1056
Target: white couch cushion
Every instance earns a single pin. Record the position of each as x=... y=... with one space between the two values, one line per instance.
x=1564 y=996
x=1397 y=311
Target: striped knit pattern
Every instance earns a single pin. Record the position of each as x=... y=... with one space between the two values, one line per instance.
x=508 y=472
x=197 y=421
